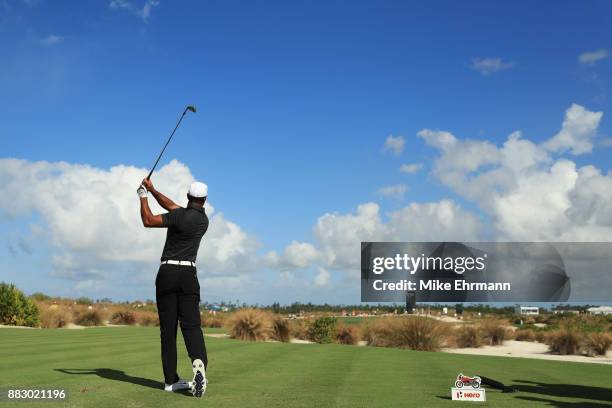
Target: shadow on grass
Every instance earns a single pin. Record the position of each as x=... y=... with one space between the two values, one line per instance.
x=560 y=404
x=116 y=375
x=565 y=390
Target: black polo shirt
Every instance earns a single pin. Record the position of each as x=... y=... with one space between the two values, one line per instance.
x=186 y=227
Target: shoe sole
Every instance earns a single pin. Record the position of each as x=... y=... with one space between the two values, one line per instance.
x=198 y=385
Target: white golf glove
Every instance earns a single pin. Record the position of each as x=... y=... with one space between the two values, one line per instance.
x=142 y=192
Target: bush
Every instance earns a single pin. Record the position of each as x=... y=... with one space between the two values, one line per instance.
x=89 y=318
x=123 y=317
x=564 y=341
x=524 y=335
x=540 y=337
x=468 y=337
x=322 y=330
x=416 y=333
x=597 y=344
x=250 y=324
x=39 y=296
x=148 y=319
x=347 y=334
x=419 y=333
x=493 y=332
x=55 y=317
x=212 y=321
x=280 y=330
x=298 y=329
x=15 y=308
x=84 y=301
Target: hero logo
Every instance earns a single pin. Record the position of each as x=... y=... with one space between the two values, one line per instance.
x=459 y=393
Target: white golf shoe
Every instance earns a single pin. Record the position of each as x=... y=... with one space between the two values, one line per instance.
x=177 y=386
x=198 y=385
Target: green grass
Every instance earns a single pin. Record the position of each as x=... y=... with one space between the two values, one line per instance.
x=124 y=371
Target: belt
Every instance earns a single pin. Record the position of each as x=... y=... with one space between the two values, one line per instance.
x=183 y=263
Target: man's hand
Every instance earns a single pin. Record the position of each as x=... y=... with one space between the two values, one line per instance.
x=142 y=192
x=148 y=184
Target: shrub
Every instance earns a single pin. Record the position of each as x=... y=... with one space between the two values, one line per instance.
x=280 y=330
x=379 y=333
x=298 y=329
x=524 y=335
x=89 y=318
x=15 y=308
x=416 y=333
x=419 y=333
x=493 y=332
x=322 y=330
x=55 y=317
x=212 y=321
x=347 y=334
x=84 y=301
x=597 y=344
x=250 y=324
x=148 y=319
x=39 y=296
x=540 y=337
x=468 y=337
x=564 y=341
x=123 y=317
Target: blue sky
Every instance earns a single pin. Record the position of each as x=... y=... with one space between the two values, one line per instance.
x=295 y=103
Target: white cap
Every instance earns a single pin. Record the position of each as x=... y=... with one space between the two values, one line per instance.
x=198 y=190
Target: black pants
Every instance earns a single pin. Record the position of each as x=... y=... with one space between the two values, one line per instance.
x=178 y=299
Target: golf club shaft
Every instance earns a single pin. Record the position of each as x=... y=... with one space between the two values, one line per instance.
x=166 y=145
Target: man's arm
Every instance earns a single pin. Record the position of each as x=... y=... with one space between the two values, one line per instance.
x=148 y=219
x=166 y=203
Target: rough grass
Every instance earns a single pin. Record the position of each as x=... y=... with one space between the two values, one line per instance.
x=55 y=317
x=280 y=330
x=123 y=317
x=524 y=335
x=564 y=341
x=597 y=344
x=89 y=317
x=298 y=328
x=347 y=334
x=467 y=336
x=492 y=331
x=416 y=333
x=250 y=324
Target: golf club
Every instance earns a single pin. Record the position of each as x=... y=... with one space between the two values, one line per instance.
x=188 y=108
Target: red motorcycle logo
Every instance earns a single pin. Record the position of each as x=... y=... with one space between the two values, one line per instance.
x=464 y=380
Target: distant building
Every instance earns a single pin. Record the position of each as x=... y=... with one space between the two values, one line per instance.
x=568 y=311
x=600 y=310
x=527 y=310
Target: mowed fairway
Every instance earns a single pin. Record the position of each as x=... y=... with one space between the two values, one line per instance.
x=119 y=367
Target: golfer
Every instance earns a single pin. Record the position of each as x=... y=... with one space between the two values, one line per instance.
x=177 y=289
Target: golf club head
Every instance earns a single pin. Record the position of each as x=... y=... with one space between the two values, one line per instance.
x=191 y=108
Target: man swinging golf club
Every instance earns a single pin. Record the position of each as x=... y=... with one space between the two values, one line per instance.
x=177 y=289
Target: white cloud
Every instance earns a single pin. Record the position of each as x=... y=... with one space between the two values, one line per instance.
x=396 y=191
x=529 y=194
x=323 y=278
x=577 y=132
x=296 y=255
x=51 y=39
x=337 y=237
x=410 y=168
x=92 y=221
x=394 y=144
x=488 y=66
x=592 y=57
x=143 y=12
